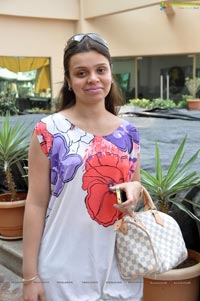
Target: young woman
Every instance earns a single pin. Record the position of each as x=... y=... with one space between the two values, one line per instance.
x=77 y=158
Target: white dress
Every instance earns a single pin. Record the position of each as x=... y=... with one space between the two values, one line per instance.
x=77 y=255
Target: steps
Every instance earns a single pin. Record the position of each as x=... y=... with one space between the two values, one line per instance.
x=11 y=255
x=11 y=270
x=10 y=285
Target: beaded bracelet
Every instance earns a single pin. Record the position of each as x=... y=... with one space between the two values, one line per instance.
x=26 y=281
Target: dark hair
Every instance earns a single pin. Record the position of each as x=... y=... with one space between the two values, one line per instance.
x=67 y=97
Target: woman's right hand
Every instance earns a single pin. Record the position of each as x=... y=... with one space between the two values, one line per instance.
x=34 y=291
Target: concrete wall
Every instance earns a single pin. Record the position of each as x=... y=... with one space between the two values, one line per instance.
x=41 y=28
x=38 y=38
x=93 y=9
x=59 y=9
x=149 y=31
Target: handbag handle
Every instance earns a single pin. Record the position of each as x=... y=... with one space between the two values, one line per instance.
x=148 y=202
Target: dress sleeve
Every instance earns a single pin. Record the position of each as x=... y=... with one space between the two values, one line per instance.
x=136 y=143
x=44 y=137
x=133 y=141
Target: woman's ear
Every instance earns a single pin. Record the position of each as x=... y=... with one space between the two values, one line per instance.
x=68 y=83
x=69 y=87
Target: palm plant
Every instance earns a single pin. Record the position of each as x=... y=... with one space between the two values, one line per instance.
x=167 y=189
x=13 y=150
x=193 y=85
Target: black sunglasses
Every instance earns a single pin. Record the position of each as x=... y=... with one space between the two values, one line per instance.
x=77 y=38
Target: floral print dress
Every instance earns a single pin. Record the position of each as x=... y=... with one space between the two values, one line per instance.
x=77 y=259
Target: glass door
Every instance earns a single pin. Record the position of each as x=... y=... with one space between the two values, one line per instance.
x=163 y=76
x=124 y=74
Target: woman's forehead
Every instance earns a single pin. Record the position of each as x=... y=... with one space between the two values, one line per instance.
x=87 y=59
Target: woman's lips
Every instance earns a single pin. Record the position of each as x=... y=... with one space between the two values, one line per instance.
x=94 y=89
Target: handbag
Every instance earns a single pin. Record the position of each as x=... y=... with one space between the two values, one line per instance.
x=148 y=242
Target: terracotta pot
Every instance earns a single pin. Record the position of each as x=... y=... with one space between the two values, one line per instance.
x=11 y=216
x=175 y=285
x=193 y=104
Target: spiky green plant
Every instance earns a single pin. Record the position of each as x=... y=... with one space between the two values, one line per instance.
x=13 y=149
x=167 y=189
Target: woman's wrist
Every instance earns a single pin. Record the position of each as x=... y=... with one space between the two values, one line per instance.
x=29 y=280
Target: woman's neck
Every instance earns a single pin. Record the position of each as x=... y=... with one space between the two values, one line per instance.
x=84 y=112
x=93 y=120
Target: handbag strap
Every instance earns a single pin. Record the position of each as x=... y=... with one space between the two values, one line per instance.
x=148 y=205
x=148 y=202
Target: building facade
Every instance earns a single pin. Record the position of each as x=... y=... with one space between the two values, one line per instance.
x=154 y=48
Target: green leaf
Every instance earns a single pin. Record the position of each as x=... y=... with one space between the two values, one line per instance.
x=179 y=178
x=177 y=203
x=158 y=164
x=14 y=143
x=192 y=203
x=180 y=172
x=176 y=161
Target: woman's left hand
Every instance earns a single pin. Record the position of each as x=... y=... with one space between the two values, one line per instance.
x=133 y=193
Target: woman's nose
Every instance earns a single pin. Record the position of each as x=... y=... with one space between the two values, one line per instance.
x=93 y=77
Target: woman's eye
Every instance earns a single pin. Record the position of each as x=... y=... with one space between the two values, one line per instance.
x=102 y=70
x=81 y=73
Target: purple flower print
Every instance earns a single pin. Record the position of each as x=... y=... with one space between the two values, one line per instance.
x=124 y=137
x=64 y=165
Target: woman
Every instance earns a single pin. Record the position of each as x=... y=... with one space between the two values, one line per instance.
x=77 y=158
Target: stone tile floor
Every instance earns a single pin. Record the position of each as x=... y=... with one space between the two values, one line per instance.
x=10 y=285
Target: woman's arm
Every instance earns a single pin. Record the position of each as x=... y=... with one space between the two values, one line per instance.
x=34 y=218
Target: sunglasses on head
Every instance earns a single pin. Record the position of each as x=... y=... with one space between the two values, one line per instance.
x=77 y=38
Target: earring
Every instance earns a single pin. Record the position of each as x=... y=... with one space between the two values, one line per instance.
x=69 y=88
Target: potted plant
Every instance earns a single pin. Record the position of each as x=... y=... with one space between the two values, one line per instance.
x=167 y=191
x=13 y=153
x=193 y=86
x=8 y=104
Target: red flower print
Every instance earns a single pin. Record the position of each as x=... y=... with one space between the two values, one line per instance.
x=45 y=137
x=104 y=170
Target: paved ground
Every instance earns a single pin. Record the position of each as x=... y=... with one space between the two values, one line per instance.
x=168 y=133
x=10 y=270
x=10 y=285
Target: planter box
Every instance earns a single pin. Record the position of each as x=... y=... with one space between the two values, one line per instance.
x=11 y=216
x=193 y=104
x=175 y=285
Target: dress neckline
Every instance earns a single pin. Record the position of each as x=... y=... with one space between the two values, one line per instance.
x=89 y=133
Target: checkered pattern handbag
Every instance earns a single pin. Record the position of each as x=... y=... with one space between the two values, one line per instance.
x=148 y=242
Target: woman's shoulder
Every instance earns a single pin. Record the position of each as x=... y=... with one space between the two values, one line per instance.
x=53 y=118
x=127 y=124
x=49 y=118
x=130 y=131
x=53 y=123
